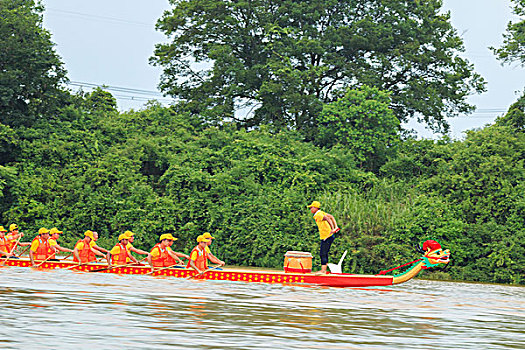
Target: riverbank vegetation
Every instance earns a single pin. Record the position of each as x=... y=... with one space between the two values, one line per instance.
x=74 y=161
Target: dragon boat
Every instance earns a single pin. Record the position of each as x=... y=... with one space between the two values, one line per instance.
x=430 y=259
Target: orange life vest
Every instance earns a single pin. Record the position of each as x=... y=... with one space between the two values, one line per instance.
x=120 y=258
x=4 y=245
x=202 y=259
x=43 y=251
x=10 y=242
x=86 y=255
x=160 y=260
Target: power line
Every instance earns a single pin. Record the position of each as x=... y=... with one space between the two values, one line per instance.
x=103 y=18
x=155 y=95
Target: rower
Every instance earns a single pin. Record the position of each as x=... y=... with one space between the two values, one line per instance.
x=4 y=246
x=159 y=255
x=84 y=251
x=95 y=246
x=40 y=249
x=54 y=234
x=13 y=236
x=130 y=247
x=198 y=256
x=212 y=257
x=120 y=253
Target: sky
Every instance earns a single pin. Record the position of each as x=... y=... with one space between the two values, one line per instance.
x=110 y=42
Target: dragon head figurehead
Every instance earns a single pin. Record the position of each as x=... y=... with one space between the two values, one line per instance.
x=434 y=254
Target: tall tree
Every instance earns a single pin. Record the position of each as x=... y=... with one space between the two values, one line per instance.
x=281 y=60
x=30 y=69
x=513 y=48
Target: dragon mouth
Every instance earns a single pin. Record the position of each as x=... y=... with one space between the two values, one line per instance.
x=444 y=259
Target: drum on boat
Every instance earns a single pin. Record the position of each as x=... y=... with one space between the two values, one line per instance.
x=297 y=262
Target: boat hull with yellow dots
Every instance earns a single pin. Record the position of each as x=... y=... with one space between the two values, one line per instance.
x=429 y=260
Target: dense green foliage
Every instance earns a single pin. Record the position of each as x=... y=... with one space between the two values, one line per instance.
x=513 y=48
x=82 y=164
x=30 y=70
x=284 y=59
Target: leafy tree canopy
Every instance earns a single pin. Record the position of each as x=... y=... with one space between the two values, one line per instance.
x=363 y=122
x=284 y=59
x=513 y=48
x=30 y=69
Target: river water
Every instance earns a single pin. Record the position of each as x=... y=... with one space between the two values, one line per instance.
x=74 y=310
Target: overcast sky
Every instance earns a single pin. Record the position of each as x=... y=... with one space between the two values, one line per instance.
x=109 y=42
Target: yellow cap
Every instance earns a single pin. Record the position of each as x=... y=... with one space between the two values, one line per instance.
x=54 y=230
x=129 y=233
x=208 y=235
x=123 y=236
x=315 y=204
x=13 y=227
x=89 y=234
x=167 y=236
x=201 y=238
x=43 y=230
x=2 y=229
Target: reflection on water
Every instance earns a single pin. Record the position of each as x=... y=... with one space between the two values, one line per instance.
x=64 y=309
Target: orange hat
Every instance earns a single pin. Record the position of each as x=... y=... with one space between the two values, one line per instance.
x=167 y=236
x=54 y=230
x=201 y=238
x=13 y=227
x=89 y=234
x=2 y=229
x=43 y=230
x=315 y=204
x=208 y=235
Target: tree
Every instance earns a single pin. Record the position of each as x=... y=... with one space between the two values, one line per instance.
x=30 y=69
x=361 y=121
x=515 y=116
x=284 y=59
x=513 y=48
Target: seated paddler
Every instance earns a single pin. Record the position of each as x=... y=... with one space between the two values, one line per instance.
x=40 y=249
x=162 y=255
x=4 y=246
x=120 y=253
x=54 y=235
x=212 y=257
x=198 y=256
x=131 y=248
x=84 y=251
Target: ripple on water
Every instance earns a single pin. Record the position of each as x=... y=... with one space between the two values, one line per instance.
x=66 y=309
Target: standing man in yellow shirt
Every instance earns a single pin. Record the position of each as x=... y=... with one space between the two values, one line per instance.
x=211 y=257
x=327 y=228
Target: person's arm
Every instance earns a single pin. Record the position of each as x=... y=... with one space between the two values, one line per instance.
x=75 y=253
x=182 y=255
x=96 y=247
x=62 y=249
x=192 y=264
x=150 y=263
x=175 y=256
x=97 y=252
x=138 y=251
x=215 y=260
x=132 y=257
x=24 y=244
x=331 y=221
x=5 y=253
x=31 y=257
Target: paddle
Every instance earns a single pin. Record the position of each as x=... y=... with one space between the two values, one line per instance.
x=164 y=268
x=203 y=272
x=117 y=266
x=12 y=250
x=49 y=257
x=25 y=250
